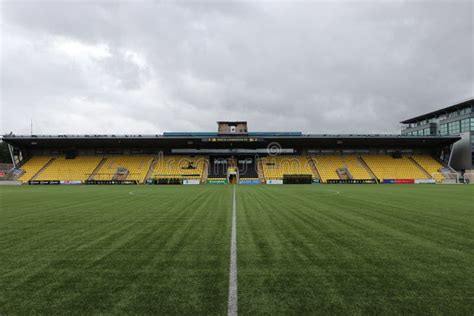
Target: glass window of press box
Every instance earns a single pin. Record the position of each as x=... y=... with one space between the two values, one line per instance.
x=457 y=127
x=465 y=126
x=443 y=129
x=454 y=127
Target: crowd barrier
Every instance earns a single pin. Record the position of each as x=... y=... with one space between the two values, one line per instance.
x=44 y=182
x=275 y=181
x=191 y=181
x=10 y=182
x=211 y=181
x=249 y=181
x=111 y=182
x=409 y=181
x=353 y=181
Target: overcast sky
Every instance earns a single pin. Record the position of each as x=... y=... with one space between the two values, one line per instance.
x=152 y=66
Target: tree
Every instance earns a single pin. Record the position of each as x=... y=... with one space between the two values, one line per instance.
x=4 y=153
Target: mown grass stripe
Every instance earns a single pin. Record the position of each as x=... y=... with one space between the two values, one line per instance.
x=232 y=306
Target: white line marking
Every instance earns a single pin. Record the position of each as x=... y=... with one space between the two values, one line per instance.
x=232 y=306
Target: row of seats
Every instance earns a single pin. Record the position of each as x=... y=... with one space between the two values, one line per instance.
x=275 y=167
x=179 y=167
x=431 y=165
x=80 y=168
x=327 y=166
x=356 y=168
x=33 y=166
x=137 y=167
x=388 y=167
x=192 y=167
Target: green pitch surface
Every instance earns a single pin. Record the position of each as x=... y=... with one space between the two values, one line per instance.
x=320 y=249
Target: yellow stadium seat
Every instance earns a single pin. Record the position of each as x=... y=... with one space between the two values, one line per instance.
x=179 y=167
x=275 y=167
x=137 y=166
x=78 y=168
x=327 y=166
x=431 y=165
x=387 y=167
x=32 y=166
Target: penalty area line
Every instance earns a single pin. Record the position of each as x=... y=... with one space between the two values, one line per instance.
x=232 y=304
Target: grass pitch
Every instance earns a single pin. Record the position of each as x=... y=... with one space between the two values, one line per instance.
x=320 y=249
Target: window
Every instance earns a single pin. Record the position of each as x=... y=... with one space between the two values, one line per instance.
x=454 y=128
x=443 y=130
x=453 y=114
x=472 y=124
x=465 y=111
x=465 y=125
x=427 y=131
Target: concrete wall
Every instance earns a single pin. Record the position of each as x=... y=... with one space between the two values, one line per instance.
x=6 y=182
x=461 y=158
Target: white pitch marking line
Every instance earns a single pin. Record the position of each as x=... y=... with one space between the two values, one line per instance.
x=232 y=306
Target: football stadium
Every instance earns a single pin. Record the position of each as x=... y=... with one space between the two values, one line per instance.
x=236 y=221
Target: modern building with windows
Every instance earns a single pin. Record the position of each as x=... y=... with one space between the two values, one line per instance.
x=458 y=120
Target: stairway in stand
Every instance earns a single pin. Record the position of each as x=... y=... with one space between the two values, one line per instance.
x=364 y=164
x=316 y=174
x=420 y=167
x=205 y=171
x=153 y=163
x=261 y=175
x=94 y=173
x=43 y=169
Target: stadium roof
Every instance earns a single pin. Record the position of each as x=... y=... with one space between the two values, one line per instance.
x=451 y=108
x=238 y=141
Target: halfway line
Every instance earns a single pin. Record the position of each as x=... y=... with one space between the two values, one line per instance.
x=232 y=306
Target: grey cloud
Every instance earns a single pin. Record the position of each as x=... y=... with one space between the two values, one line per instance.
x=348 y=67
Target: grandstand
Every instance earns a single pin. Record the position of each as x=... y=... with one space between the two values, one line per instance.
x=232 y=155
x=388 y=167
x=344 y=167
x=61 y=168
x=133 y=168
x=276 y=167
x=430 y=165
x=179 y=167
x=31 y=167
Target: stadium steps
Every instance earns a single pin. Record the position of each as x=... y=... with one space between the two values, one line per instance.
x=420 y=167
x=43 y=168
x=445 y=165
x=96 y=170
x=344 y=173
x=261 y=175
x=151 y=168
x=121 y=174
x=205 y=171
x=12 y=175
x=366 y=166
x=314 y=169
x=448 y=175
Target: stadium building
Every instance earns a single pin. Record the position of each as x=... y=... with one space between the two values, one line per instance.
x=458 y=120
x=231 y=155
